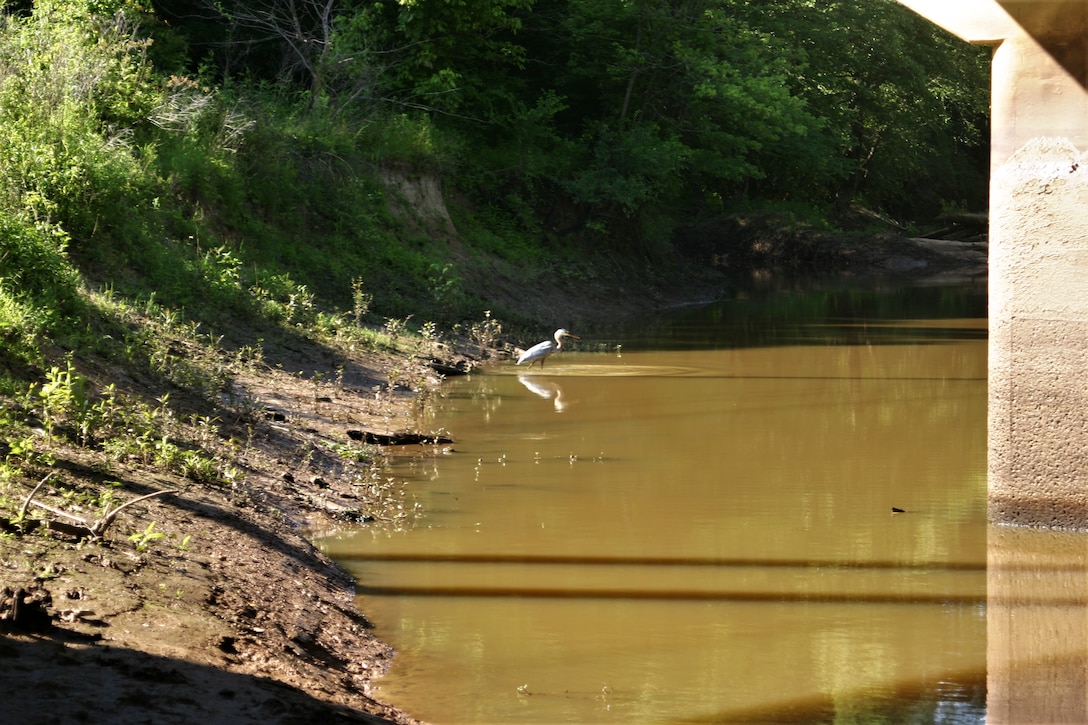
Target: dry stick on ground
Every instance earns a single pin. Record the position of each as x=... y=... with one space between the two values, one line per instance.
x=100 y=526
x=95 y=530
x=26 y=504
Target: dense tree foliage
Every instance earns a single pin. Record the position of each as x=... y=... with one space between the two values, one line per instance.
x=622 y=117
x=240 y=145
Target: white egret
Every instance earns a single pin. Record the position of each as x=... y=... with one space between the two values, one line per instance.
x=542 y=350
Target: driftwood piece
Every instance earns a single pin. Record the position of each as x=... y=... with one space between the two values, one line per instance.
x=965 y=218
x=99 y=527
x=462 y=367
x=397 y=439
x=26 y=503
x=27 y=609
x=340 y=511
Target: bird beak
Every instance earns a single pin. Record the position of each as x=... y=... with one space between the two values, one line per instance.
x=574 y=336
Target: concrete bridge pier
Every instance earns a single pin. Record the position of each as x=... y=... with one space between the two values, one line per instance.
x=1038 y=386
x=1037 y=579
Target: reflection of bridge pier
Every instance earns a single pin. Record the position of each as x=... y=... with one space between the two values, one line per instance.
x=1038 y=353
x=1036 y=626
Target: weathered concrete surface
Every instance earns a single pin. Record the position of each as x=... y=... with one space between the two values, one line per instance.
x=1038 y=437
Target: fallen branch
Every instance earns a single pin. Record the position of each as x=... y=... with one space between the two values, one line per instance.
x=99 y=527
x=26 y=503
x=58 y=512
x=398 y=439
x=94 y=531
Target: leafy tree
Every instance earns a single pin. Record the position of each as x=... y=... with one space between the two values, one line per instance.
x=661 y=107
x=616 y=116
x=904 y=105
x=454 y=58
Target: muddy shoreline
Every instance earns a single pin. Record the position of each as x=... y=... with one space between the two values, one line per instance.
x=232 y=615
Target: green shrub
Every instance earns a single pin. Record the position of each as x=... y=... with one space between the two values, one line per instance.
x=35 y=265
x=67 y=82
x=38 y=286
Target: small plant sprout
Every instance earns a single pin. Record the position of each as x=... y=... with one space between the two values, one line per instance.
x=395 y=328
x=144 y=539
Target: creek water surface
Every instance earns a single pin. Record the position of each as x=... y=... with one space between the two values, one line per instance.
x=692 y=521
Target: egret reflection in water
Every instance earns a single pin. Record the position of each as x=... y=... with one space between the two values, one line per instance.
x=545 y=389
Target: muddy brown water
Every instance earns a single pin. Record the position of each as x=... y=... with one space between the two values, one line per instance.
x=692 y=521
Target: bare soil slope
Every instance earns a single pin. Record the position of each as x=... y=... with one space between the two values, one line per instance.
x=232 y=616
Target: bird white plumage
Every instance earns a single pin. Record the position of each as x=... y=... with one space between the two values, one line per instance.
x=542 y=350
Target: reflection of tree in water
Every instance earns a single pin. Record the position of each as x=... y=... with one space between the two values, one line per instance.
x=803 y=313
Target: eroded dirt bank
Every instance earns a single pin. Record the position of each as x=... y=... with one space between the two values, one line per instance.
x=231 y=615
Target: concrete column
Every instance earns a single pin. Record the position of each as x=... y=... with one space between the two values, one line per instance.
x=1038 y=386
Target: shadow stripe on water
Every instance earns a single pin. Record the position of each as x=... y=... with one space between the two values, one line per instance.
x=657 y=561
x=959 y=697
x=690 y=595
